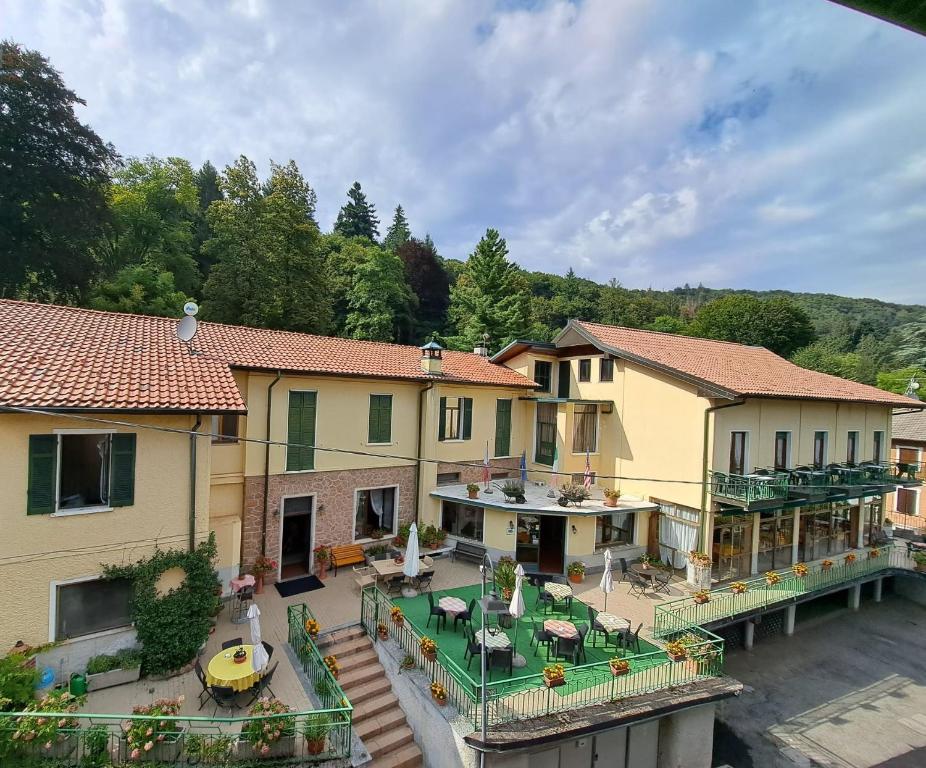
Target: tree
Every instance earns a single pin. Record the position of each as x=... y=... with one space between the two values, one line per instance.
x=898 y=381
x=380 y=300
x=357 y=217
x=824 y=356
x=490 y=297
x=398 y=232
x=430 y=283
x=268 y=269
x=53 y=174
x=140 y=289
x=208 y=185
x=667 y=324
x=777 y=324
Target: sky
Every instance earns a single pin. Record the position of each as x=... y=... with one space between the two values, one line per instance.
x=743 y=144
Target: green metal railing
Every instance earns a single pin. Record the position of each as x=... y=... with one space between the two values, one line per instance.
x=749 y=488
x=684 y=613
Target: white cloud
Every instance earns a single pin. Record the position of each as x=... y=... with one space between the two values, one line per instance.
x=779 y=212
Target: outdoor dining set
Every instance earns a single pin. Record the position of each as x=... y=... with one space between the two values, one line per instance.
x=238 y=670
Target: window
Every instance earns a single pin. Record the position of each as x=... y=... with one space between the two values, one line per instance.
x=616 y=528
x=80 y=470
x=545 y=451
x=585 y=428
x=503 y=427
x=225 y=428
x=501 y=475
x=782 y=450
x=300 y=453
x=562 y=379
x=820 y=440
x=906 y=501
x=878 y=452
x=87 y=607
x=376 y=510
x=738 y=453
x=380 y=427
x=606 y=369
x=852 y=447
x=578 y=478
x=456 y=418
x=448 y=478
x=776 y=532
x=462 y=520
x=585 y=370
x=543 y=374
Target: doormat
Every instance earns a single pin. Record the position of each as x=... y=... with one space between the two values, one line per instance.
x=296 y=586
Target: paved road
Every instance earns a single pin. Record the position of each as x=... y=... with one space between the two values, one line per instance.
x=848 y=690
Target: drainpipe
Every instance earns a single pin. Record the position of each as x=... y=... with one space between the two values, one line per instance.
x=263 y=524
x=421 y=395
x=704 y=464
x=193 y=438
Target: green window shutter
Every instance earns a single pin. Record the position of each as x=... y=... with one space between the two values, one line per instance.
x=43 y=458
x=380 y=426
x=442 y=420
x=467 y=417
x=122 y=470
x=300 y=454
x=503 y=427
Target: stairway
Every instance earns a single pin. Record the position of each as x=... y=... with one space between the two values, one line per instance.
x=378 y=719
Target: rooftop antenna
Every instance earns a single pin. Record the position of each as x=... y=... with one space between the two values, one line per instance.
x=187 y=327
x=912 y=388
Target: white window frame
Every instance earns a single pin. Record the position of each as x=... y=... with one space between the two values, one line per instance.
x=391 y=397
x=94 y=508
x=315 y=460
x=53 y=609
x=597 y=430
x=395 y=522
x=280 y=516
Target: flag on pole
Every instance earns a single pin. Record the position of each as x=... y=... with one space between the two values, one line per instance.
x=486 y=475
x=587 y=482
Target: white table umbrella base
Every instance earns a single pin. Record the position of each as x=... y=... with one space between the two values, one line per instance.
x=518 y=661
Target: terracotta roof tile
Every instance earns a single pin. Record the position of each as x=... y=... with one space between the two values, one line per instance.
x=65 y=357
x=737 y=368
x=909 y=426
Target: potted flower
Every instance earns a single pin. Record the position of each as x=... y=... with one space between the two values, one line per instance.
x=772 y=578
x=312 y=628
x=513 y=491
x=56 y=737
x=107 y=670
x=383 y=631
x=800 y=570
x=269 y=730
x=554 y=675
x=472 y=490
x=398 y=618
x=826 y=565
x=439 y=693
x=377 y=533
x=333 y=667
x=850 y=558
x=315 y=730
x=574 y=494
x=676 y=650
x=611 y=496
x=646 y=560
x=619 y=666
x=739 y=587
x=262 y=566
x=919 y=561
x=702 y=596
x=322 y=556
x=576 y=571
x=407 y=663
x=873 y=554
x=154 y=735
x=428 y=648
x=240 y=655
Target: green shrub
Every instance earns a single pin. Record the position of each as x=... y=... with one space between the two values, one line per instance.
x=18 y=680
x=128 y=658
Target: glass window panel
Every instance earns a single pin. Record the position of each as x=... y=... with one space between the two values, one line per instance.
x=462 y=520
x=93 y=606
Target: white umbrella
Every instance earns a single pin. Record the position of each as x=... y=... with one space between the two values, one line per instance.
x=516 y=609
x=412 y=565
x=607 y=581
x=260 y=657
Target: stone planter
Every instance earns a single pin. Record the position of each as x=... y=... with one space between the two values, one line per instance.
x=113 y=677
x=285 y=747
x=167 y=751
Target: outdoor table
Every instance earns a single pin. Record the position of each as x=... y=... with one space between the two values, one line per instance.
x=389 y=567
x=223 y=671
x=247 y=580
x=490 y=641
x=611 y=623
x=564 y=629
x=558 y=591
x=647 y=572
x=452 y=606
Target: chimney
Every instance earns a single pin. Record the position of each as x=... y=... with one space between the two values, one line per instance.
x=482 y=348
x=431 y=359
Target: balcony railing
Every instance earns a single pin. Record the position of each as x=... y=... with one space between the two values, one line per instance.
x=725 y=603
x=750 y=488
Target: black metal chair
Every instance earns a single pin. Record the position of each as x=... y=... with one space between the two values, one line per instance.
x=638 y=584
x=201 y=676
x=632 y=638
x=566 y=648
x=465 y=616
x=583 y=630
x=436 y=610
x=231 y=643
x=264 y=683
x=500 y=657
x=624 y=568
x=473 y=648
x=424 y=581
x=224 y=697
x=541 y=637
x=661 y=582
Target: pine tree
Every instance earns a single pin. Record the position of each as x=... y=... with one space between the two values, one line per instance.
x=357 y=217
x=429 y=281
x=490 y=296
x=398 y=232
x=208 y=185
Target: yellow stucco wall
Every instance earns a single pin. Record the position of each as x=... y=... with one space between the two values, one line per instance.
x=36 y=550
x=582 y=542
x=495 y=529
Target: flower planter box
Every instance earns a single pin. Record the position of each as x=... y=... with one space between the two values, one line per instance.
x=440 y=702
x=167 y=751
x=284 y=747
x=677 y=656
x=702 y=600
x=553 y=682
x=114 y=677
x=430 y=656
x=619 y=672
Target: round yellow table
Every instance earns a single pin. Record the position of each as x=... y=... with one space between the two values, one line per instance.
x=223 y=671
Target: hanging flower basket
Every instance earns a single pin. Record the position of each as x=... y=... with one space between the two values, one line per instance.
x=702 y=596
x=826 y=565
x=800 y=570
x=398 y=618
x=439 y=693
x=739 y=587
x=772 y=578
x=383 y=631
x=428 y=648
x=312 y=627
x=874 y=553
x=619 y=666
x=850 y=558
x=554 y=675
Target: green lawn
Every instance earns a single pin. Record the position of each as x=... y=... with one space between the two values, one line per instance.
x=454 y=645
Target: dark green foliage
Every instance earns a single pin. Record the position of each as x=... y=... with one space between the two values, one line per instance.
x=171 y=628
x=17 y=682
x=357 y=217
x=398 y=231
x=140 y=288
x=208 y=186
x=129 y=658
x=430 y=283
x=379 y=301
x=898 y=380
x=53 y=176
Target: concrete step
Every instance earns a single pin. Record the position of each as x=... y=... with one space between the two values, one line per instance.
x=341 y=635
x=408 y=756
x=390 y=741
x=375 y=705
x=376 y=687
x=347 y=648
x=381 y=723
x=360 y=675
x=356 y=660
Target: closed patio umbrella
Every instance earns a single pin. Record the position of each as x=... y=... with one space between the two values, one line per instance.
x=260 y=657
x=516 y=609
x=607 y=581
x=412 y=565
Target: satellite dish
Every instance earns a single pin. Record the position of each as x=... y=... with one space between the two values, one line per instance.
x=190 y=309
x=186 y=328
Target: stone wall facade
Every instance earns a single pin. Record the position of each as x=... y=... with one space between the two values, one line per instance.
x=474 y=474
x=334 y=493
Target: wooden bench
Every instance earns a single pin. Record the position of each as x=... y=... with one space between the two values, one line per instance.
x=349 y=554
x=469 y=551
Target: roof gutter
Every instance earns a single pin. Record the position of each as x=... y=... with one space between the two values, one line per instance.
x=419 y=441
x=193 y=438
x=704 y=463
x=263 y=523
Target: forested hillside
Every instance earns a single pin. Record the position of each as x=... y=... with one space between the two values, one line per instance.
x=79 y=224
